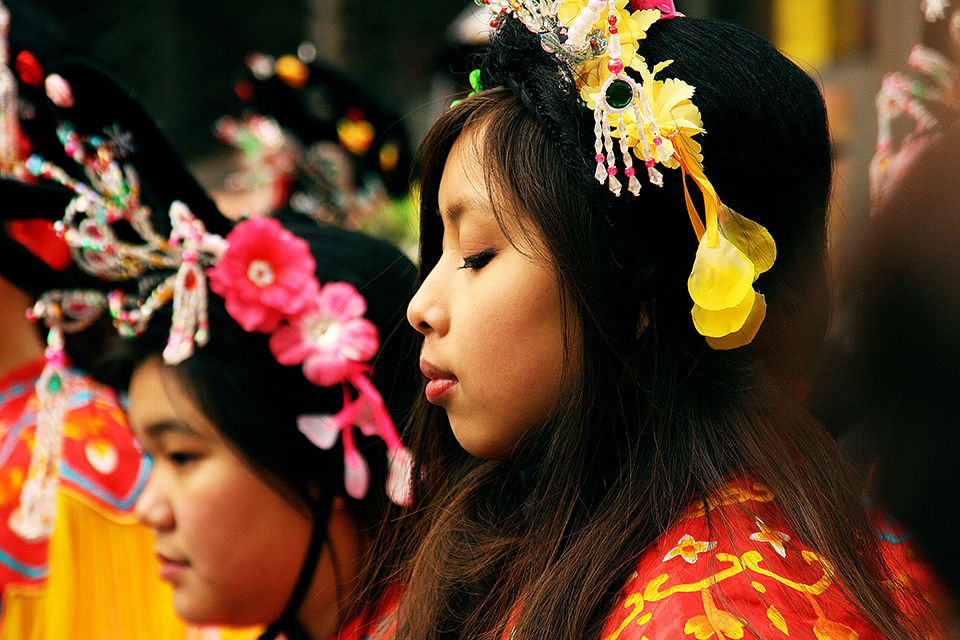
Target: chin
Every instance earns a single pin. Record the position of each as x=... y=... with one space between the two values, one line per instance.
x=477 y=443
x=197 y=611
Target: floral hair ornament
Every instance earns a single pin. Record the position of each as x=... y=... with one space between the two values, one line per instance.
x=654 y=122
x=264 y=273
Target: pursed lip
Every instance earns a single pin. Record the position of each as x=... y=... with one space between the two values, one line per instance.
x=440 y=381
x=169 y=567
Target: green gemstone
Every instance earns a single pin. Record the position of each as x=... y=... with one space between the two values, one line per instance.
x=619 y=94
x=54 y=384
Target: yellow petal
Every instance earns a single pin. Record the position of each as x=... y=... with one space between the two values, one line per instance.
x=751 y=238
x=292 y=71
x=569 y=12
x=721 y=275
x=644 y=19
x=717 y=324
x=672 y=92
x=746 y=333
x=699 y=626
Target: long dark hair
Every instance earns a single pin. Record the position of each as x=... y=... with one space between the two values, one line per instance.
x=657 y=420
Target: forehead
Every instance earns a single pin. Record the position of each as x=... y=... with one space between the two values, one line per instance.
x=474 y=193
x=159 y=403
x=471 y=184
x=465 y=172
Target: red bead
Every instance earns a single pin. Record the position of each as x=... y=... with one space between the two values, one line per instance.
x=615 y=66
x=612 y=171
x=599 y=158
x=29 y=69
x=630 y=171
x=244 y=90
x=613 y=29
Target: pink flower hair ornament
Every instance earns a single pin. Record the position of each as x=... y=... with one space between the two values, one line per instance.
x=265 y=275
x=665 y=7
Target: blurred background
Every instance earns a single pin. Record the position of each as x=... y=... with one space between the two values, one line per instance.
x=181 y=57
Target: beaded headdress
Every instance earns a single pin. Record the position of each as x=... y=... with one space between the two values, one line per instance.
x=653 y=122
x=264 y=273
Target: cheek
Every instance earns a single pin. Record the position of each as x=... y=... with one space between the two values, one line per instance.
x=515 y=352
x=244 y=540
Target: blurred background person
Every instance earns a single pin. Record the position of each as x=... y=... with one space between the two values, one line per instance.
x=902 y=359
x=888 y=385
x=306 y=138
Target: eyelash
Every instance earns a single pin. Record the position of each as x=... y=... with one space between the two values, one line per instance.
x=181 y=459
x=478 y=260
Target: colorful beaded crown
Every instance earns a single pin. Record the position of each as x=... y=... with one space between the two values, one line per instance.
x=264 y=273
x=653 y=122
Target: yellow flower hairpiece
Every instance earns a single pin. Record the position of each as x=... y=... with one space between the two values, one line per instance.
x=632 y=27
x=654 y=121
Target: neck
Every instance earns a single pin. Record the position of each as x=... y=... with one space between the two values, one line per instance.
x=333 y=590
x=19 y=341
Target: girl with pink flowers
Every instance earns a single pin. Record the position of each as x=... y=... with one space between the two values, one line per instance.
x=274 y=455
x=265 y=363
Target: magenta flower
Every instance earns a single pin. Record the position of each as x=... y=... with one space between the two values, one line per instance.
x=666 y=8
x=332 y=338
x=265 y=274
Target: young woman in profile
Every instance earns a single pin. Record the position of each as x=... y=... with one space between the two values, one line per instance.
x=622 y=279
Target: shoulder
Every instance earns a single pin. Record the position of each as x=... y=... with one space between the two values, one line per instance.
x=729 y=569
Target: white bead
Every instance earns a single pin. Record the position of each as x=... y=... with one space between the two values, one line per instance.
x=614 y=50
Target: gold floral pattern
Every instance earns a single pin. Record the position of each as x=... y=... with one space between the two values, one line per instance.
x=688 y=548
x=734 y=588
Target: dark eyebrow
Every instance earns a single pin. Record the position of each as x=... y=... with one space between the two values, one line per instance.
x=157 y=429
x=456 y=210
x=453 y=213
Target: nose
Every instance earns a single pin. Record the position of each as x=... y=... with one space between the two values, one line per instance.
x=152 y=507
x=427 y=311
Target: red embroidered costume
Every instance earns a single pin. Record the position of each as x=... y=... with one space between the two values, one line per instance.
x=739 y=571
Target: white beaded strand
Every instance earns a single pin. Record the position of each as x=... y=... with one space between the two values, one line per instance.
x=583 y=24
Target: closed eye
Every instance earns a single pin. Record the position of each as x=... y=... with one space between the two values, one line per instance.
x=479 y=260
x=182 y=458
